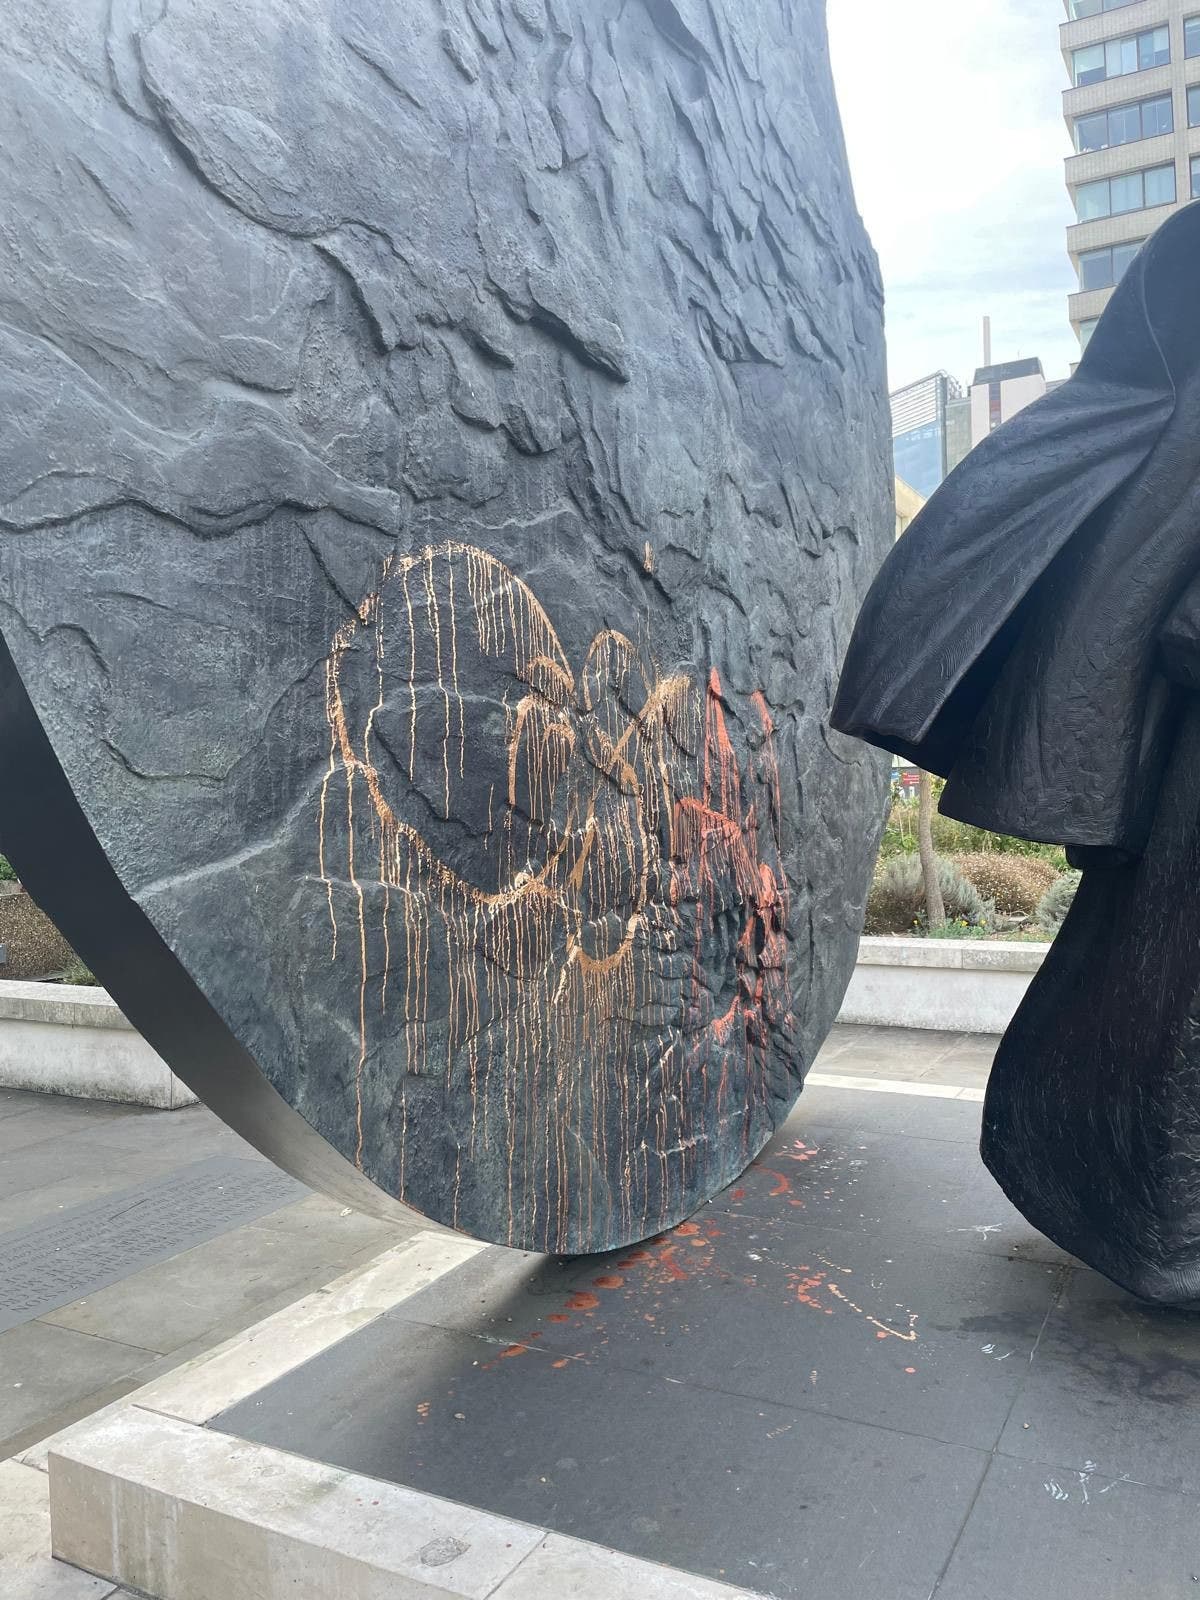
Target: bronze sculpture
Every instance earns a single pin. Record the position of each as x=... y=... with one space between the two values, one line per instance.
x=444 y=448
x=1048 y=600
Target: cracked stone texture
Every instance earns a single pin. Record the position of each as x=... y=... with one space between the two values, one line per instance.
x=444 y=450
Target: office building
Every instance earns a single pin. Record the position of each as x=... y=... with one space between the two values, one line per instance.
x=1133 y=113
x=930 y=430
x=998 y=392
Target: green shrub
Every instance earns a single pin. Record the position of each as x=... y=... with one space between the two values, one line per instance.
x=1015 y=884
x=896 y=903
x=1056 y=902
x=7 y=875
x=76 y=972
x=954 y=838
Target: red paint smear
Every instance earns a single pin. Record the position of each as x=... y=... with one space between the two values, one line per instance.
x=583 y=1300
x=688 y=1228
x=558 y=1316
x=565 y=1362
x=910 y=1369
x=738 y=1194
x=781 y=1186
x=717 y=839
x=635 y=1258
x=513 y=1350
x=610 y=1280
x=670 y=1266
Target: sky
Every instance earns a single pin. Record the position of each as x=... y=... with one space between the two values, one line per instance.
x=952 y=111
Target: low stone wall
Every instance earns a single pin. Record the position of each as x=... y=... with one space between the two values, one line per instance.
x=959 y=985
x=72 y=1039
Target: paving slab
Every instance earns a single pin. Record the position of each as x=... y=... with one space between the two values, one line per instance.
x=1115 y=1389
x=753 y=1494
x=56 y=1260
x=1036 y=1533
x=180 y=1300
x=730 y=1398
x=741 y=1399
x=919 y=1116
x=43 y=1370
x=31 y=1119
x=856 y=1372
x=873 y=1330
x=196 y=1236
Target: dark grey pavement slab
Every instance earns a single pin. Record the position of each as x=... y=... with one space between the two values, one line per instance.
x=56 y=1155
x=930 y=1343
x=782 y=1501
x=856 y=1373
x=1037 y=1533
x=875 y=1112
x=1116 y=1389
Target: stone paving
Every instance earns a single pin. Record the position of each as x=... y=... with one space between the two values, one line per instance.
x=65 y=1363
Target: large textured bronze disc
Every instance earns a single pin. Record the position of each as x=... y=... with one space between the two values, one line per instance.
x=444 y=447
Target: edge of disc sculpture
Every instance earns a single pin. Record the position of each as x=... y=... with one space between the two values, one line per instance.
x=444 y=449
x=1049 y=603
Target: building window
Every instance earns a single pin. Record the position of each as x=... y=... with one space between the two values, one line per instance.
x=1093 y=8
x=1191 y=36
x=1132 y=191
x=1196 y=177
x=1136 y=52
x=1086 y=330
x=1100 y=269
x=1194 y=106
x=1145 y=119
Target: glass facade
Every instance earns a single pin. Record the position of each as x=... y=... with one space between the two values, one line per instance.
x=1136 y=52
x=927 y=419
x=1093 y=8
x=1100 y=269
x=1145 y=119
x=1196 y=177
x=1131 y=191
x=1086 y=330
x=1191 y=36
x=917 y=455
x=1193 y=97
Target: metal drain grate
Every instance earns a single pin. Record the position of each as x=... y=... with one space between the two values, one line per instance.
x=50 y=1264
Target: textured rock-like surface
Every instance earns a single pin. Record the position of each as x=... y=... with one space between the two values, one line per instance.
x=443 y=450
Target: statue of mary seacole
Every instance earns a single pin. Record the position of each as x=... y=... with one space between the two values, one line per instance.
x=1048 y=604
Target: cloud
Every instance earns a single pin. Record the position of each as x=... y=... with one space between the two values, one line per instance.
x=953 y=123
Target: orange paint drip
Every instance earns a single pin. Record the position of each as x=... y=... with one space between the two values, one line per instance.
x=623 y=828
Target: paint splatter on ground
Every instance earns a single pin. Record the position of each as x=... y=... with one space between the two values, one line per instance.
x=646 y=1284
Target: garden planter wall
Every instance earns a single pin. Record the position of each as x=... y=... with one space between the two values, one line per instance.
x=959 y=985
x=73 y=1040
